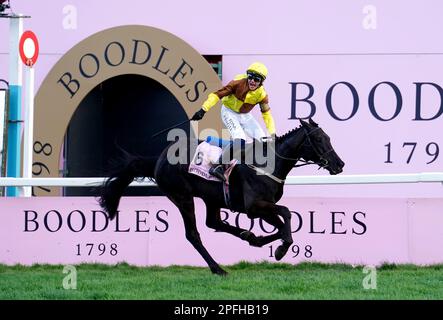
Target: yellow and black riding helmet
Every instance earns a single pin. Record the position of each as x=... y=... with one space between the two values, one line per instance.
x=257 y=69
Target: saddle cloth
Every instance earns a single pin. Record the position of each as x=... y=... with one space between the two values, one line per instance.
x=204 y=157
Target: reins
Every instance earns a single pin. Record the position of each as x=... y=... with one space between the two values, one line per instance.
x=323 y=161
x=321 y=156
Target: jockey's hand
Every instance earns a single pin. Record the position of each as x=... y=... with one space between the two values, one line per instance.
x=198 y=115
x=273 y=136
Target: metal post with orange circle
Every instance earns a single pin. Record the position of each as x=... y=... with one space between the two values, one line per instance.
x=14 y=123
x=29 y=50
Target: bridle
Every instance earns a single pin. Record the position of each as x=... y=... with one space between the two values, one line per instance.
x=323 y=162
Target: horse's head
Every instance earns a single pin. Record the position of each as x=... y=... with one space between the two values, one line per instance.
x=318 y=148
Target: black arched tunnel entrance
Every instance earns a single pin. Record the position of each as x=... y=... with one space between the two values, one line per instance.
x=125 y=110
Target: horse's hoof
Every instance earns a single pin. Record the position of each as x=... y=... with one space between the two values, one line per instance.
x=281 y=251
x=220 y=272
x=251 y=238
x=246 y=235
x=256 y=241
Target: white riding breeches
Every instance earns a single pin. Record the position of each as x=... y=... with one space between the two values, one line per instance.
x=241 y=125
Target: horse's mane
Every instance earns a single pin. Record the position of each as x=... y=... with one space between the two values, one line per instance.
x=287 y=134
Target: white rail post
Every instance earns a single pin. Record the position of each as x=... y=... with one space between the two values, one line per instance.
x=29 y=127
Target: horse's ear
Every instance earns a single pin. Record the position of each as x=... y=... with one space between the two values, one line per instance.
x=312 y=122
x=303 y=123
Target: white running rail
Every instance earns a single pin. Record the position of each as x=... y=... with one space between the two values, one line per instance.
x=291 y=180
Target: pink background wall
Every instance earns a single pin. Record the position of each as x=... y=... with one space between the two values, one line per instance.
x=292 y=26
x=355 y=231
x=318 y=42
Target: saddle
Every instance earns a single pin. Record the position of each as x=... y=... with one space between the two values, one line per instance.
x=205 y=155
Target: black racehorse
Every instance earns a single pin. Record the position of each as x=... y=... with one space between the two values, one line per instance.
x=251 y=193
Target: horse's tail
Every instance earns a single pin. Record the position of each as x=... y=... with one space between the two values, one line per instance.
x=113 y=188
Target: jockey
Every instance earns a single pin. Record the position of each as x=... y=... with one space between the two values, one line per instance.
x=238 y=98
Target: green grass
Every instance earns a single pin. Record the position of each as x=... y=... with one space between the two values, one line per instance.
x=270 y=281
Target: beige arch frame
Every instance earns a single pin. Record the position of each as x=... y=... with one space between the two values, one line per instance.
x=132 y=49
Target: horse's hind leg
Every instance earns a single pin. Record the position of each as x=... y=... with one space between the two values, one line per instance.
x=187 y=210
x=269 y=212
x=214 y=221
x=273 y=220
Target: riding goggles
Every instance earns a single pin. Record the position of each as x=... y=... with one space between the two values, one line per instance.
x=255 y=77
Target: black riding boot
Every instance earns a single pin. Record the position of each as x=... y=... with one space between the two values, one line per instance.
x=228 y=153
x=218 y=171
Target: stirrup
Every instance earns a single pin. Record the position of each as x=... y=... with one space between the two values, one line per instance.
x=218 y=171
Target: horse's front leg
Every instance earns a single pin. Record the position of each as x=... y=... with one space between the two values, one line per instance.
x=187 y=210
x=214 y=221
x=270 y=212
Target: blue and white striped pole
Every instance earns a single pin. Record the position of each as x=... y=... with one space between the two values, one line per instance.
x=15 y=97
